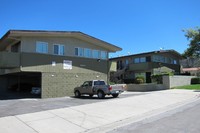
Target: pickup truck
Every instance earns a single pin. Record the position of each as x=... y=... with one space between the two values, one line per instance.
x=99 y=88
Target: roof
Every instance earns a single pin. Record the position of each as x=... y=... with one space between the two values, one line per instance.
x=12 y=35
x=150 y=53
x=191 y=69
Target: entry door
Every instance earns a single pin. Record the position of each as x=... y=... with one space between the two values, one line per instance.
x=148 y=77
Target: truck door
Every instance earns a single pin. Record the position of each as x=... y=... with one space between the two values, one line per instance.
x=87 y=87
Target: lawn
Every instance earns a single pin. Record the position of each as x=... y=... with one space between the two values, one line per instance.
x=189 y=87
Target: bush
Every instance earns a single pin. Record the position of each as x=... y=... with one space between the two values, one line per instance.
x=139 y=80
x=158 y=77
x=195 y=80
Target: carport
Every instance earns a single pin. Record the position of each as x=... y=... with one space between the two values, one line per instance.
x=19 y=85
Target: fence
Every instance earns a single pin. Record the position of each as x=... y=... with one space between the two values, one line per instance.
x=168 y=82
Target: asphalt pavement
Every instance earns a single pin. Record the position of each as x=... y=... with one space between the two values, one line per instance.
x=30 y=105
x=103 y=116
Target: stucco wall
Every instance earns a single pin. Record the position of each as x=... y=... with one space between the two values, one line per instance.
x=173 y=81
x=28 y=44
x=145 y=87
x=32 y=62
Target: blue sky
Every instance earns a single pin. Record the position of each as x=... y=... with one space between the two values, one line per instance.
x=134 y=25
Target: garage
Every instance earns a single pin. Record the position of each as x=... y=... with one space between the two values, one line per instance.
x=20 y=85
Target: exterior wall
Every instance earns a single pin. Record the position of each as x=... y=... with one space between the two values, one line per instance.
x=63 y=84
x=113 y=66
x=145 y=87
x=31 y=62
x=173 y=81
x=58 y=82
x=9 y=60
x=28 y=44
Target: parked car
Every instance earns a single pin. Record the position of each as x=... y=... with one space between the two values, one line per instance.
x=99 y=88
x=36 y=90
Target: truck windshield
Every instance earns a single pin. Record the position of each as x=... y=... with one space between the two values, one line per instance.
x=99 y=83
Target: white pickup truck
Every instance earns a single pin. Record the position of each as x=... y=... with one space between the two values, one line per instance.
x=99 y=88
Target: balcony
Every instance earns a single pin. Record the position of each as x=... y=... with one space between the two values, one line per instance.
x=151 y=65
x=9 y=60
x=140 y=66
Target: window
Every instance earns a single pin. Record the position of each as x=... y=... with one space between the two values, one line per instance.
x=126 y=62
x=87 y=52
x=58 y=49
x=41 y=47
x=99 y=83
x=79 y=51
x=103 y=55
x=95 y=54
x=140 y=60
x=175 y=62
x=158 y=58
x=137 y=60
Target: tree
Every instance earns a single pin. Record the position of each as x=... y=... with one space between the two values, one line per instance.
x=194 y=47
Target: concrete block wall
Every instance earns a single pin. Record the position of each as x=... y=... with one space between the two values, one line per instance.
x=63 y=84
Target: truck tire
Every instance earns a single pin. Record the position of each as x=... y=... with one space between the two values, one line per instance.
x=100 y=94
x=91 y=95
x=77 y=94
x=115 y=95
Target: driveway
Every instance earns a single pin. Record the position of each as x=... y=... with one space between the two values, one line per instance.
x=102 y=116
x=31 y=105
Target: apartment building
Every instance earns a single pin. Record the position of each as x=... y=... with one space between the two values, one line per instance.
x=145 y=64
x=55 y=61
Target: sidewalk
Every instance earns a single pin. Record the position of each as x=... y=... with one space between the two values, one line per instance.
x=98 y=117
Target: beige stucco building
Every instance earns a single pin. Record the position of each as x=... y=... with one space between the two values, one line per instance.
x=56 y=61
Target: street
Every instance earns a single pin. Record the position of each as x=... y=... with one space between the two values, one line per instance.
x=182 y=120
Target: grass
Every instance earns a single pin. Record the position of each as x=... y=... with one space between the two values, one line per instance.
x=189 y=87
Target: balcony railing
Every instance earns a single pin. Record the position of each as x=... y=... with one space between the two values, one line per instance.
x=9 y=60
x=151 y=65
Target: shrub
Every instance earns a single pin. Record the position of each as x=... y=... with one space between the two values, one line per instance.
x=139 y=80
x=195 y=80
x=158 y=77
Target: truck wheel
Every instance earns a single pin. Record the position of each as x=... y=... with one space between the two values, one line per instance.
x=77 y=94
x=100 y=94
x=115 y=95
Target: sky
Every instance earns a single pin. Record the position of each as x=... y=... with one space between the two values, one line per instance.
x=136 y=26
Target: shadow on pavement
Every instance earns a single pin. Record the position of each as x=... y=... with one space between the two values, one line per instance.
x=93 y=98
x=10 y=95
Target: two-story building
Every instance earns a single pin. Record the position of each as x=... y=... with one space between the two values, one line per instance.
x=146 y=64
x=55 y=61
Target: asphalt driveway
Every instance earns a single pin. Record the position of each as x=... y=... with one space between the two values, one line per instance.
x=30 y=105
